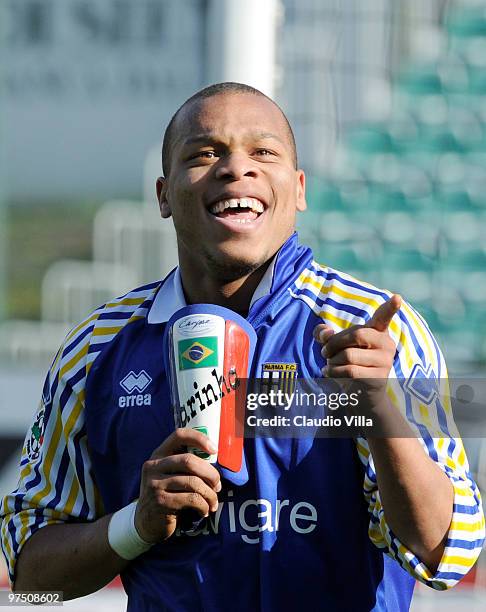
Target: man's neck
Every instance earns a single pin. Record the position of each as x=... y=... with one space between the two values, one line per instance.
x=234 y=294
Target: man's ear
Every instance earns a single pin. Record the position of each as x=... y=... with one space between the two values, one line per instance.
x=161 y=187
x=300 y=200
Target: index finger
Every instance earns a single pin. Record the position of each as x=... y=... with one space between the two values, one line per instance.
x=190 y=465
x=180 y=439
x=383 y=315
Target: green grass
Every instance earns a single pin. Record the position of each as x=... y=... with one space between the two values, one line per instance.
x=37 y=236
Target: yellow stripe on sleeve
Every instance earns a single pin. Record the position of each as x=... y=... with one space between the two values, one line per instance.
x=67 y=367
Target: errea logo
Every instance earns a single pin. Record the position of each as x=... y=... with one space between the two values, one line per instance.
x=135 y=382
x=423 y=384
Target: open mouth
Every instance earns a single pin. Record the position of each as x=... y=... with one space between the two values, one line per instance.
x=241 y=210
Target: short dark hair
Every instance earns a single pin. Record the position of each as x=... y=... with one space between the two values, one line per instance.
x=209 y=92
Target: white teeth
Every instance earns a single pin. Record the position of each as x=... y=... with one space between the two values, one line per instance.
x=257 y=206
x=251 y=203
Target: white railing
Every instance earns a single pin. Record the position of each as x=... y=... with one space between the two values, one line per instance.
x=71 y=289
x=132 y=246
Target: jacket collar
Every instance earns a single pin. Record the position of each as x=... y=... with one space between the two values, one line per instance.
x=285 y=267
x=170 y=297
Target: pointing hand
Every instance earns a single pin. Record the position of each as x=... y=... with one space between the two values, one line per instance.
x=361 y=351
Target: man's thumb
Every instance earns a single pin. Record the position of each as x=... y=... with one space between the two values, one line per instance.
x=384 y=313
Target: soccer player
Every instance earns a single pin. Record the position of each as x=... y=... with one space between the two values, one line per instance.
x=308 y=523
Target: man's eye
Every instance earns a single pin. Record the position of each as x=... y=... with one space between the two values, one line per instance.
x=204 y=154
x=264 y=152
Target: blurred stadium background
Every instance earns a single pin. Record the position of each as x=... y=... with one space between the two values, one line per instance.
x=388 y=102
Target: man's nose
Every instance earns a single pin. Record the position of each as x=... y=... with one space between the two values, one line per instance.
x=235 y=166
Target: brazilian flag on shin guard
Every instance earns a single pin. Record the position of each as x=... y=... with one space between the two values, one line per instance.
x=198 y=352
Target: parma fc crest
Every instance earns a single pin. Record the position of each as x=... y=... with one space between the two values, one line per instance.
x=36 y=438
x=279 y=376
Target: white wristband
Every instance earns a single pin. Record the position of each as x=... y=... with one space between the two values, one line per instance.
x=123 y=536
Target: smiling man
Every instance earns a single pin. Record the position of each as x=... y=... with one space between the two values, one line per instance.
x=232 y=187
x=343 y=524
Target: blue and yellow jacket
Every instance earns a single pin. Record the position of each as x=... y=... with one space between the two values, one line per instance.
x=307 y=529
